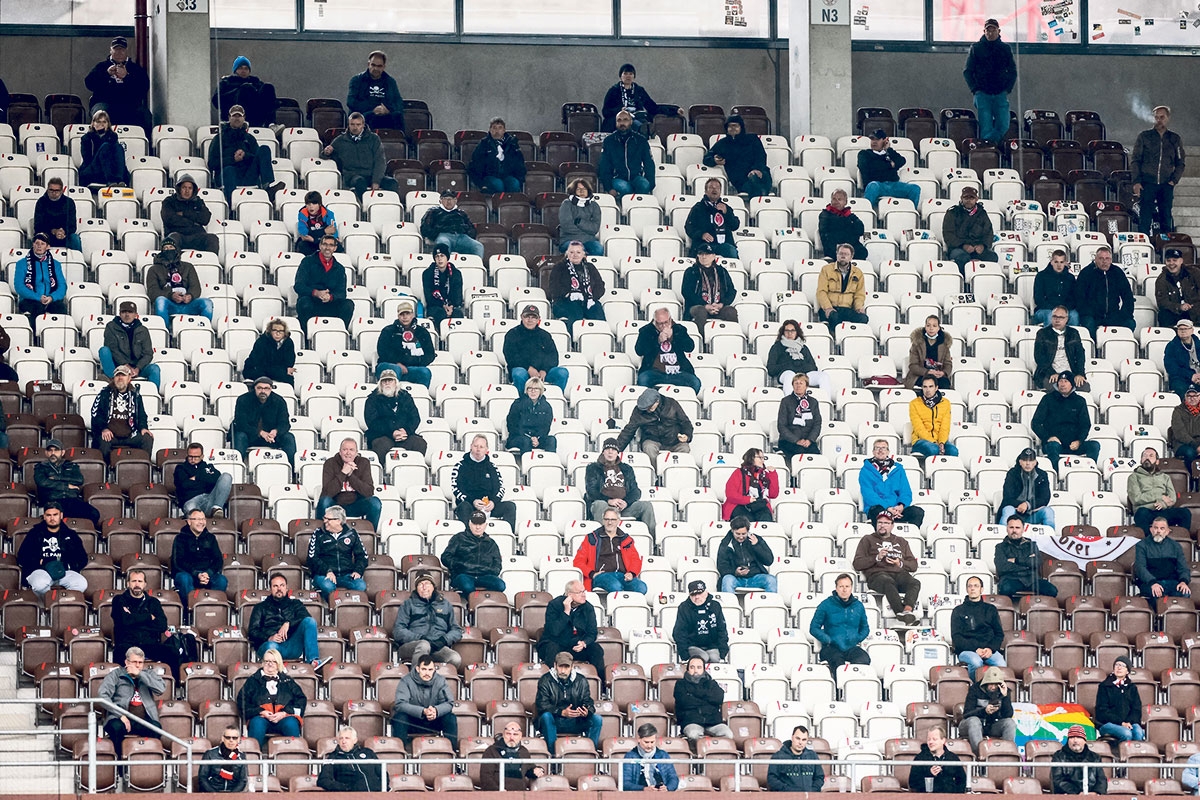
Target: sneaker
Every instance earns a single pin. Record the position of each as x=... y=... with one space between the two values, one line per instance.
x=907 y=619
x=321 y=662
x=274 y=189
x=217 y=512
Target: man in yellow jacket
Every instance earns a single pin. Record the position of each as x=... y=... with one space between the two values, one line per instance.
x=841 y=292
x=929 y=413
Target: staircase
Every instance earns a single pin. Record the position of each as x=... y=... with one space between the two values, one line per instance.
x=47 y=779
x=1187 y=196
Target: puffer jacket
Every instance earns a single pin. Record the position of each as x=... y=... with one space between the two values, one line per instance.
x=414 y=695
x=585 y=556
x=351 y=771
x=732 y=554
x=930 y=424
x=469 y=554
x=916 y=356
x=429 y=620
x=625 y=156
x=841 y=623
x=662 y=425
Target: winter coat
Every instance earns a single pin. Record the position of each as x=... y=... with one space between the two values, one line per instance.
x=486 y=164
x=352 y=771
x=340 y=553
x=648 y=347
x=468 y=554
x=917 y=351
x=316 y=224
x=693 y=289
x=879 y=165
x=780 y=360
x=743 y=154
x=555 y=694
x=1025 y=564
x=979 y=698
x=1051 y=288
x=54 y=481
x=585 y=556
x=269 y=615
x=90 y=144
x=452 y=295
x=269 y=359
x=662 y=425
x=137 y=622
x=1147 y=488
x=990 y=67
x=808 y=777
x=834 y=229
x=615 y=101
x=870 y=546
x=560 y=287
x=930 y=424
x=474 y=480
x=701 y=626
x=1014 y=485
x=698 y=703
x=527 y=417
x=1064 y=417
x=951 y=780
x=35 y=278
x=365 y=93
x=1045 y=346
x=222 y=149
x=118 y=688
x=809 y=425
x=409 y=345
x=386 y=415
x=228 y=88
x=518 y=767
x=1170 y=293
x=830 y=291
x=625 y=155
x=705 y=218
x=414 y=695
x=363 y=158
x=1103 y=296
x=975 y=625
x=1069 y=779
x=1157 y=158
x=876 y=490
x=1160 y=562
x=579 y=222
x=251 y=416
x=429 y=620
x=1185 y=428
x=102 y=412
x=127 y=94
x=219 y=760
x=841 y=623
x=594 y=476
x=731 y=554
x=312 y=276
x=438 y=220
x=185 y=217
x=129 y=345
x=526 y=347
x=193 y=480
x=961 y=227
x=254 y=698
x=164 y=274
x=50 y=214
x=195 y=554
x=633 y=777
x=737 y=490
x=565 y=630
x=1176 y=362
x=1118 y=704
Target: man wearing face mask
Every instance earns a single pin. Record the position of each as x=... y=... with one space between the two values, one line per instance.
x=576 y=288
x=1159 y=567
x=1152 y=494
x=174 y=286
x=626 y=166
x=1185 y=427
x=1057 y=348
x=698 y=700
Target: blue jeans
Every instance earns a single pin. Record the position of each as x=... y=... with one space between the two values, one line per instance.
x=150 y=373
x=214 y=499
x=253 y=170
x=653 y=378
x=723 y=249
x=614 y=582
x=573 y=311
x=460 y=243
x=592 y=247
x=466 y=584
x=551 y=726
x=878 y=189
x=421 y=375
x=1042 y=316
x=1187 y=453
x=639 y=185
x=200 y=307
x=327 y=587
x=763 y=582
x=1056 y=450
x=1156 y=203
x=284 y=441
x=301 y=641
x=368 y=507
x=992 y=111
x=926 y=448
x=1182 y=517
x=496 y=184
x=1038 y=516
x=1121 y=733
x=258 y=728
x=107 y=166
x=974 y=662
x=185 y=584
x=557 y=376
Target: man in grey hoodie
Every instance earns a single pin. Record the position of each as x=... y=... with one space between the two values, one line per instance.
x=423 y=705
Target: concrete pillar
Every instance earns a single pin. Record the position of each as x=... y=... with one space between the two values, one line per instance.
x=819 y=79
x=180 y=58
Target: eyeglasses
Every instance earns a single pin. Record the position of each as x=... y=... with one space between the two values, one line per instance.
x=234 y=738
x=191 y=457
x=1058 y=316
x=331 y=519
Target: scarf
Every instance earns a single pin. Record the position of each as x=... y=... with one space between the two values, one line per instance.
x=839 y=212
x=754 y=482
x=884 y=465
x=123 y=407
x=315 y=222
x=794 y=348
x=327 y=265
x=1193 y=410
x=628 y=96
x=580 y=281
x=35 y=264
x=932 y=401
x=710 y=285
x=931 y=350
x=441 y=284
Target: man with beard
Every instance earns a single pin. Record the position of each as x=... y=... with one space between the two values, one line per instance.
x=60 y=481
x=236 y=159
x=140 y=621
x=392 y=418
x=988 y=710
x=610 y=483
x=519 y=772
x=173 y=285
x=888 y=564
x=1019 y=564
x=127 y=344
x=1159 y=568
x=52 y=555
x=1152 y=494
x=1070 y=779
x=119 y=417
x=698 y=703
x=626 y=166
x=884 y=486
x=743 y=157
x=565 y=704
x=281 y=622
x=424 y=705
x=711 y=221
x=261 y=419
x=426 y=625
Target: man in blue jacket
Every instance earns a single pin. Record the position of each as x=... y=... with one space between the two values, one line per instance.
x=40 y=283
x=884 y=487
x=840 y=625
x=648 y=766
x=1181 y=359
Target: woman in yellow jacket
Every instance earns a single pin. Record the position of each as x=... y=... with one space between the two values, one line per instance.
x=929 y=413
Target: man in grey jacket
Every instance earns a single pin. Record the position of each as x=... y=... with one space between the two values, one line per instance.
x=423 y=705
x=1152 y=494
x=359 y=155
x=425 y=625
x=1157 y=165
x=127 y=344
x=133 y=688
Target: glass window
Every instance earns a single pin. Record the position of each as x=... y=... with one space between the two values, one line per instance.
x=563 y=17
x=896 y=20
x=1150 y=22
x=1052 y=23
x=743 y=19
x=259 y=15
x=396 y=16
x=66 y=12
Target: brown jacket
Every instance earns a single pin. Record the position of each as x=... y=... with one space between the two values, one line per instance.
x=829 y=288
x=916 y=356
x=361 y=482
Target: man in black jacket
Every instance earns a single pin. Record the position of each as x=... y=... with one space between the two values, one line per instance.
x=626 y=166
x=664 y=347
x=1157 y=164
x=565 y=704
x=743 y=157
x=1062 y=422
x=571 y=627
x=336 y=556
x=530 y=352
x=119 y=416
x=744 y=559
x=1104 y=295
x=611 y=483
x=519 y=771
x=497 y=165
x=802 y=777
x=240 y=88
x=473 y=558
x=448 y=224
x=988 y=710
x=321 y=285
x=392 y=418
x=121 y=87
x=186 y=214
x=54 y=214
x=1019 y=563
x=700 y=630
x=838 y=225
x=698 y=703
x=374 y=94
x=712 y=221
x=1026 y=492
x=201 y=486
x=991 y=73
x=976 y=631
x=260 y=419
x=60 y=480
x=350 y=767
x=52 y=554
x=223 y=768
x=405 y=347
x=878 y=172
x=936 y=768
x=236 y=159
x=1057 y=348
x=196 y=558
x=139 y=620
x=283 y=623
x=1070 y=779
x=478 y=487
x=1054 y=286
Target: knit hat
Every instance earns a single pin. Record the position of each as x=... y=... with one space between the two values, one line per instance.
x=174 y=239
x=1076 y=731
x=478 y=518
x=441 y=248
x=609 y=443
x=1124 y=660
x=424 y=576
x=647 y=399
x=41 y=237
x=240 y=61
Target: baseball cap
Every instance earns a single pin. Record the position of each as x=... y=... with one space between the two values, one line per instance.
x=969 y=191
x=478 y=518
x=992 y=675
x=1184 y=323
x=55 y=443
x=241 y=112
x=448 y=193
x=122 y=370
x=388 y=375
x=1173 y=252
x=1028 y=454
x=531 y=311
x=609 y=443
x=697 y=587
x=409 y=304
x=704 y=247
x=119 y=41
x=1193 y=389
x=884 y=515
x=564 y=657
x=991 y=23
x=879 y=133
x=127 y=305
x=1076 y=731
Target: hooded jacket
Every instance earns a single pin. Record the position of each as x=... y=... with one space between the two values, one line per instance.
x=195 y=554
x=118 y=688
x=468 y=554
x=662 y=425
x=1118 y=704
x=102 y=412
x=1045 y=347
x=227 y=143
x=353 y=771
x=565 y=630
x=1103 y=295
x=555 y=694
x=624 y=156
x=1064 y=417
x=365 y=93
x=250 y=416
x=474 y=480
x=692 y=286
x=339 y=553
x=917 y=350
x=269 y=615
x=585 y=556
x=647 y=346
x=980 y=697
x=990 y=67
x=615 y=101
x=1051 y=288
x=35 y=278
x=732 y=554
x=129 y=345
x=429 y=620
x=222 y=760
x=951 y=780
x=701 y=626
x=1066 y=779
x=961 y=227
x=192 y=480
x=1014 y=485
x=255 y=696
x=438 y=220
x=930 y=424
x=698 y=702
x=841 y=623
x=185 y=217
x=879 y=165
x=165 y=272
x=1026 y=561
x=808 y=777
x=414 y=695
x=384 y=415
x=974 y=625
x=530 y=347
x=877 y=490
x=742 y=153
x=361 y=158
x=1157 y=158
x=485 y=161
x=871 y=545
x=833 y=292
x=518 y=767
x=594 y=482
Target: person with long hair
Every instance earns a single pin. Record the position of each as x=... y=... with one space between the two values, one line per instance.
x=790 y=356
x=273 y=355
x=271 y=702
x=103 y=156
x=579 y=219
x=749 y=490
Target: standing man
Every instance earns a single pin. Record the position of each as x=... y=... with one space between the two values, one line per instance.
x=1104 y=294
x=565 y=703
x=967 y=231
x=700 y=630
x=841 y=290
x=40 y=284
x=449 y=225
x=647 y=766
x=608 y=557
x=626 y=166
x=336 y=556
x=425 y=625
x=52 y=555
x=127 y=344
x=392 y=418
x=261 y=419
x=805 y=777
x=840 y=625
x=888 y=564
x=1176 y=290
x=664 y=348
x=879 y=172
x=121 y=87
x=743 y=157
x=281 y=622
x=698 y=702
x=406 y=347
x=744 y=559
x=1159 y=567
x=991 y=74
x=1152 y=494
x=571 y=628
x=119 y=417
x=530 y=352
x=60 y=481
x=1019 y=563
x=472 y=558
x=139 y=621
x=1062 y=422
x=1026 y=493
x=976 y=631
x=497 y=165
x=711 y=221
x=358 y=152
x=478 y=487
x=132 y=688
x=374 y=94
x=1071 y=779
x=201 y=486
x=884 y=486
x=350 y=767
x=611 y=485
x=321 y=286
x=1157 y=165
x=196 y=558
x=663 y=425
x=223 y=769
x=348 y=481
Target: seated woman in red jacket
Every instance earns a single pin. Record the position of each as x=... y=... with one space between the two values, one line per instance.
x=749 y=489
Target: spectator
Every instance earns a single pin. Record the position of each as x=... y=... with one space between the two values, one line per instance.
x=236 y=159
x=392 y=418
x=54 y=214
x=647 y=766
x=1104 y=295
x=1157 y=165
x=840 y=625
x=626 y=166
x=888 y=564
x=743 y=157
x=576 y=286
x=664 y=346
x=929 y=412
x=878 y=172
x=240 y=88
x=282 y=624
x=976 y=631
x=1176 y=290
x=121 y=87
x=579 y=219
x=199 y=486
x=1159 y=568
x=611 y=484
x=1119 y=705
x=443 y=286
x=313 y=221
x=530 y=352
x=139 y=621
x=102 y=154
x=271 y=703
x=698 y=703
x=1057 y=348
x=119 y=417
x=260 y=419
x=988 y=711
x=884 y=487
x=744 y=559
x=1185 y=427
x=449 y=225
x=837 y=224
x=564 y=703
x=348 y=481
x=1191 y=775
x=497 y=165
x=799 y=421
x=700 y=630
x=405 y=347
x=707 y=289
x=1181 y=359
x=790 y=356
x=186 y=214
x=1062 y=422
x=571 y=628
x=1018 y=563
x=358 y=153
x=662 y=423
x=749 y=489
x=1054 y=286
x=1026 y=492
x=478 y=487
x=336 y=556
x=529 y=419
x=40 y=284
x=273 y=355
x=626 y=95
x=806 y=776
x=374 y=94
x=1073 y=780
x=60 y=481
x=426 y=625
x=127 y=344
x=711 y=221
x=991 y=74
x=967 y=231
x=608 y=558
x=363 y=773
x=321 y=286
x=1152 y=494
x=472 y=558
x=196 y=558
x=519 y=770
x=841 y=292
x=173 y=285
x=936 y=769
x=133 y=688
x=424 y=705
x=223 y=768
x=929 y=354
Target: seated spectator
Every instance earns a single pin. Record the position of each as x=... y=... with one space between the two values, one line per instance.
x=988 y=710
x=497 y=164
x=1181 y=359
x=936 y=768
x=196 y=558
x=1184 y=432
x=608 y=558
x=530 y=352
x=336 y=556
x=1191 y=775
x=186 y=214
x=840 y=625
x=443 y=287
x=1054 y=286
x=878 y=172
x=795 y=777
x=478 y=487
x=529 y=419
x=571 y=628
x=1103 y=295
x=7 y=373
x=55 y=215
x=282 y=624
x=790 y=356
x=139 y=621
x=273 y=355
x=52 y=554
x=236 y=159
x=744 y=559
x=426 y=625
x=261 y=419
x=707 y=289
x=976 y=631
x=698 y=704
x=348 y=482
x=127 y=344
x=1119 y=705
x=270 y=701
x=626 y=166
x=199 y=486
x=799 y=421
x=929 y=412
x=749 y=489
x=519 y=770
x=576 y=286
x=449 y=225
x=60 y=481
x=841 y=291
x=647 y=766
x=374 y=94
x=1062 y=422
x=119 y=417
x=472 y=558
x=133 y=688
x=967 y=231
x=40 y=283
x=173 y=285
x=579 y=219
x=223 y=768
x=1026 y=492
x=392 y=418
x=700 y=630
x=611 y=484
x=240 y=88
x=743 y=157
x=358 y=153
x=361 y=774
x=626 y=95
x=565 y=704
x=406 y=347
x=711 y=221
x=1177 y=290
x=424 y=705
x=664 y=346
x=884 y=487
x=1072 y=779
x=1152 y=494
x=1159 y=568
x=313 y=221
x=321 y=286
x=662 y=423
x=1019 y=563
x=888 y=564
x=121 y=87
x=838 y=225
x=1057 y=348
x=929 y=354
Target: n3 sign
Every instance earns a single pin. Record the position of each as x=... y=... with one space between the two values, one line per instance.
x=188 y=6
x=830 y=12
